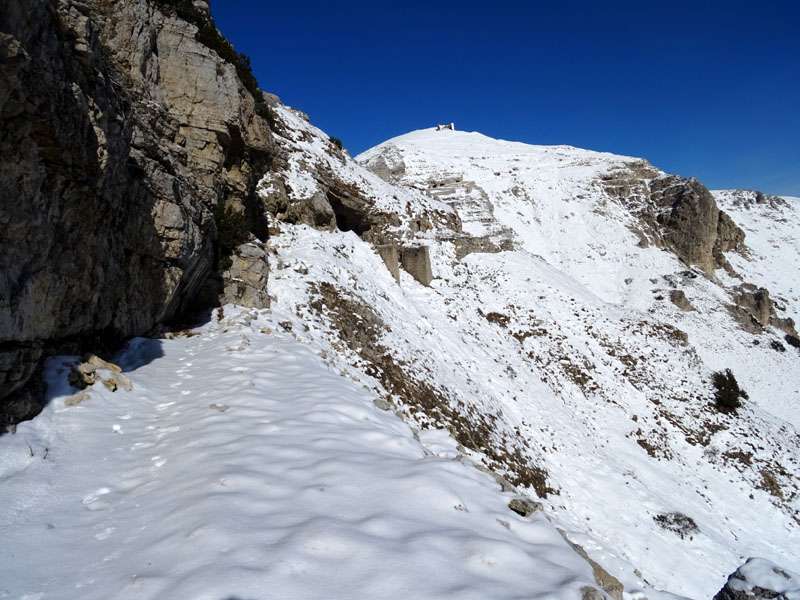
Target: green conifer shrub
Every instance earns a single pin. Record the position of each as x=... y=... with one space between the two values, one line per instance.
x=728 y=392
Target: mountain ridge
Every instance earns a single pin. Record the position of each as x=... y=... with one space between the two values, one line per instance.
x=551 y=316
x=593 y=351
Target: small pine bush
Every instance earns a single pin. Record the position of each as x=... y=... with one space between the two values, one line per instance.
x=728 y=391
x=336 y=142
x=232 y=231
x=678 y=523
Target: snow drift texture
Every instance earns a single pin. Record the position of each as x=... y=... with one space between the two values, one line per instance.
x=543 y=322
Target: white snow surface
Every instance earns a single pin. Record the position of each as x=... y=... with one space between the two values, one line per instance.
x=568 y=346
x=610 y=490
x=773 y=241
x=241 y=466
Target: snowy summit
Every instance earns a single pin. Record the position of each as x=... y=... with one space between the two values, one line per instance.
x=241 y=364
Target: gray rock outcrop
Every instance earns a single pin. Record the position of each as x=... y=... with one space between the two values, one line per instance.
x=471 y=201
x=679 y=299
x=676 y=213
x=416 y=260
x=525 y=507
x=607 y=582
x=391 y=258
x=119 y=135
x=754 y=310
x=686 y=218
x=760 y=579
x=245 y=281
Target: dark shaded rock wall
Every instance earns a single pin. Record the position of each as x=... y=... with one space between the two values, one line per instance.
x=119 y=135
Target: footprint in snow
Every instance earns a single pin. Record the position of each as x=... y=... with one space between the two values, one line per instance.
x=93 y=501
x=129 y=485
x=142 y=445
x=105 y=534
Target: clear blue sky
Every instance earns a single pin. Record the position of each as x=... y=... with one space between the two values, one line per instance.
x=709 y=89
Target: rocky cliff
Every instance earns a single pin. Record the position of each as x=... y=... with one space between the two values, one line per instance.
x=557 y=314
x=120 y=136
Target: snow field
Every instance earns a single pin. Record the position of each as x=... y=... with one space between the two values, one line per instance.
x=611 y=490
x=240 y=466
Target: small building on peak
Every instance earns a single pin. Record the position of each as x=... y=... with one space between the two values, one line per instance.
x=450 y=127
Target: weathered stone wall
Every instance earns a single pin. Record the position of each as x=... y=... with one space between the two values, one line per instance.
x=119 y=134
x=416 y=260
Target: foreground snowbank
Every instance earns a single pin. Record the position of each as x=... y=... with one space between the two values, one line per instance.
x=239 y=466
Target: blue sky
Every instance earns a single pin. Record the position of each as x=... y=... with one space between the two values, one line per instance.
x=705 y=89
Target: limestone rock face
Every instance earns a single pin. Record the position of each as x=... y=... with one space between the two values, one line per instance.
x=416 y=260
x=690 y=223
x=391 y=258
x=119 y=135
x=754 y=309
x=313 y=182
x=474 y=207
x=245 y=282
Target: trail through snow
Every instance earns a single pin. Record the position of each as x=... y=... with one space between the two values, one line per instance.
x=241 y=467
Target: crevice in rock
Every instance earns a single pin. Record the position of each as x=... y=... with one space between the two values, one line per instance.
x=347 y=217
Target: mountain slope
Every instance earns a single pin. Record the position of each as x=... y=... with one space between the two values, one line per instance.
x=560 y=363
x=583 y=212
x=238 y=465
x=546 y=321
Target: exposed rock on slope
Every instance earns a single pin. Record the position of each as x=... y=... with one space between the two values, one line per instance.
x=670 y=211
x=691 y=223
x=759 y=579
x=773 y=251
x=313 y=182
x=119 y=135
x=536 y=358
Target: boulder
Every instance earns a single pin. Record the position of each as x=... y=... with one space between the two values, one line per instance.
x=760 y=579
x=610 y=584
x=245 y=281
x=525 y=507
x=679 y=299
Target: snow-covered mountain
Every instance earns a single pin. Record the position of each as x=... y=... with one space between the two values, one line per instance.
x=547 y=344
x=469 y=368
x=530 y=312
